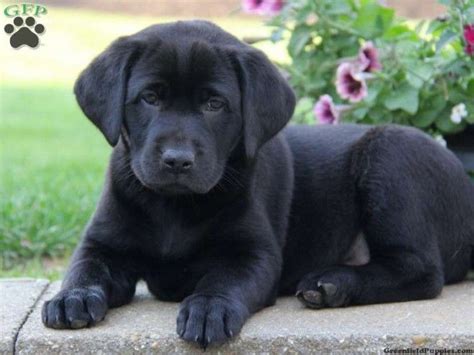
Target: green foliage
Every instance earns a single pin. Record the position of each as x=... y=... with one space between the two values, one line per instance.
x=53 y=165
x=425 y=70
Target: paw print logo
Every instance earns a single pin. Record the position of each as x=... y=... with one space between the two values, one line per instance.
x=24 y=32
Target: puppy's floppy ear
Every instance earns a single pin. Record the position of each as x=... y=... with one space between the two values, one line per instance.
x=268 y=101
x=102 y=87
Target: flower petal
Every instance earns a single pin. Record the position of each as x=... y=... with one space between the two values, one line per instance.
x=262 y=7
x=469 y=34
x=350 y=84
x=325 y=111
x=469 y=49
x=369 y=57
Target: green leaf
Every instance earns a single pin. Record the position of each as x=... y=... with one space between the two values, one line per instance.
x=470 y=112
x=418 y=73
x=406 y=47
x=470 y=118
x=405 y=98
x=427 y=117
x=445 y=125
x=400 y=31
x=277 y=35
x=469 y=15
x=457 y=95
x=315 y=85
x=420 y=26
x=303 y=106
x=302 y=14
x=339 y=7
x=379 y=115
x=446 y=38
x=299 y=38
x=374 y=90
x=470 y=88
x=360 y=112
x=373 y=20
x=436 y=26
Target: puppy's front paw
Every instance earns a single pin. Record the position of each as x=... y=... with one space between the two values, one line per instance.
x=75 y=308
x=210 y=320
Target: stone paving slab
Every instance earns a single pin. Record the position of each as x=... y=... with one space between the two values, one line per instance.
x=148 y=326
x=17 y=298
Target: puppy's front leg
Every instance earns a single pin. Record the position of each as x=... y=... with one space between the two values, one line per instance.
x=96 y=280
x=237 y=284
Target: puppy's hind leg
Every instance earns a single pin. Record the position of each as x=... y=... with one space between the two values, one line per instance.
x=395 y=278
x=404 y=265
x=400 y=222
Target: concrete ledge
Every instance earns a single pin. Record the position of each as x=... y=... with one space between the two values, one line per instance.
x=17 y=298
x=148 y=326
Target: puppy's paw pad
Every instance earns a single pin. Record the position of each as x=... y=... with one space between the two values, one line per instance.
x=320 y=292
x=322 y=297
x=310 y=298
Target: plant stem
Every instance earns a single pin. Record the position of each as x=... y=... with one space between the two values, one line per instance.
x=340 y=27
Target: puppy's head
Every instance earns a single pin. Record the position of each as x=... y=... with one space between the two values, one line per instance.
x=183 y=97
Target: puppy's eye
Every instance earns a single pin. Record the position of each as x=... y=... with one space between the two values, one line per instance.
x=155 y=94
x=150 y=97
x=214 y=105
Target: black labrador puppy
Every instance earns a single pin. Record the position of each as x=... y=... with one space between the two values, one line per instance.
x=211 y=202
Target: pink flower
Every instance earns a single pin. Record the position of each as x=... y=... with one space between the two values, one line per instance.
x=469 y=49
x=325 y=111
x=350 y=82
x=369 y=58
x=469 y=34
x=262 y=7
x=469 y=37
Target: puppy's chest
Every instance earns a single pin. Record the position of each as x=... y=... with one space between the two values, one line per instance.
x=172 y=238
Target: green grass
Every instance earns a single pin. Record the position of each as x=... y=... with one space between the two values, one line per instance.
x=53 y=163
x=44 y=267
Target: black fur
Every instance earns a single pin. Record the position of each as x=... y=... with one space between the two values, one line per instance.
x=209 y=204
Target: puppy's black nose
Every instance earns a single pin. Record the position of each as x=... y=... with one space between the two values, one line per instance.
x=177 y=161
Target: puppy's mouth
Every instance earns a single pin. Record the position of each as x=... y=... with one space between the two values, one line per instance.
x=175 y=186
x=172 y=184
x=168 y=188
x=175 y=189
